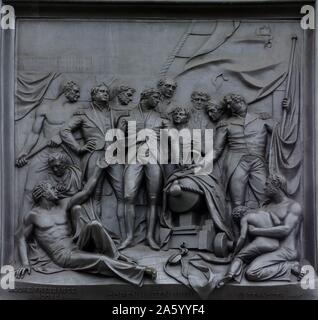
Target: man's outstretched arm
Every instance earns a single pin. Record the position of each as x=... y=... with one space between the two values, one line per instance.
x=291 y=221
x=25 y=232
x=243 y=235
x=32 y=138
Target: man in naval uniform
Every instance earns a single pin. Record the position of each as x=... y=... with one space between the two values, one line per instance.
x=94 y=122
x=246 y=136
x=145 y=117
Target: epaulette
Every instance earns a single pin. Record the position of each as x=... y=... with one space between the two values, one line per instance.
x=264 y=116
x=221 y=123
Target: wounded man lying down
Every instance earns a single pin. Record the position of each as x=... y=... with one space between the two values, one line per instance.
x=53 y=223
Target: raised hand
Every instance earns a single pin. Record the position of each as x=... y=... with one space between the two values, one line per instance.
x=21 y=161
x=88 y=147
x=239 y=245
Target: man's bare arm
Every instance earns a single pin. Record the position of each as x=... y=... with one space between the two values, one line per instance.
x=291 y=221
x=32 y=138
x=25 y=232
x=243 y=234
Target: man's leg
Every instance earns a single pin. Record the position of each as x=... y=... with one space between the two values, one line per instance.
x=248 y=253
x=99 y=187
x=257 y=247
x=77 y=222
x=154 y=187
x=257 y=179
x=132 y=182
x=94 y=238
x=98 y=196
x=276 y=265
x=101 y=264
x=234 y=272
x=238 y=183
x=169 y=169
x=115 y=174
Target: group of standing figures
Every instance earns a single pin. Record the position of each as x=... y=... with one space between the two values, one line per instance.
x=62 y=203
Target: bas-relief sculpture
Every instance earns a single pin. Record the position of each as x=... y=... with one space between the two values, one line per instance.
x=89 y=249
x=242 y=215
x=272 y=254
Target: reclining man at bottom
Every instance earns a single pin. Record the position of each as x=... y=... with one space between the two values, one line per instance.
x=53 y=223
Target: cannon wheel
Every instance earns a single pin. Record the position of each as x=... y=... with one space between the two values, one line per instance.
x=221 y=245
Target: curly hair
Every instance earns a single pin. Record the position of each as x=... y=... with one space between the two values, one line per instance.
x=148 y=92
x=161 y=82
x=278 y=181
x=231 y=98
x=200 y=93
x=178 y=109
x=239 y=212
x=95 y=89
x=68 y=86
x=58 y=156
x=123 y=88
x=213 y=104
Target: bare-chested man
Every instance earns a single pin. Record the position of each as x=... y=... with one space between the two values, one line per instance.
x=52 y=223
x=273 y=253
x=49 y=118
x=43 y=140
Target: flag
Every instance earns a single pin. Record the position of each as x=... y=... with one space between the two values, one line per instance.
x=229 y=56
